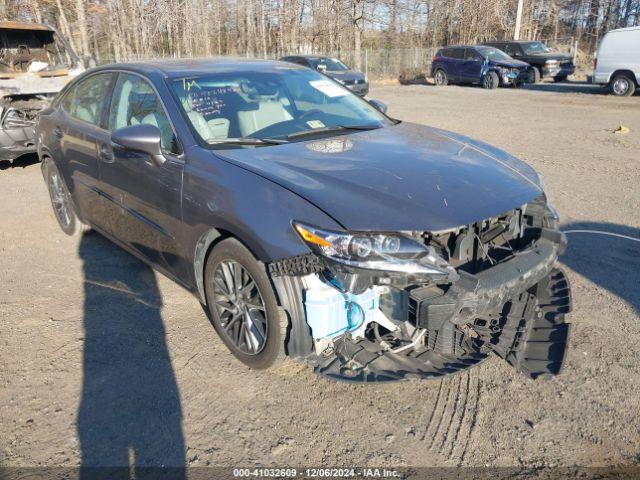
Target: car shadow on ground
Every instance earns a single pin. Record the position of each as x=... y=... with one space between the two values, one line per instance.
x=129 y=419
x=567 y=87
x=607 y=259
x=21 y=162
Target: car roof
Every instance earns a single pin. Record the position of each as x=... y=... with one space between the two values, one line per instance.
x=309 y=57
x=513 y=41
x=178 y=68
x=11 y=25
x=626 y=29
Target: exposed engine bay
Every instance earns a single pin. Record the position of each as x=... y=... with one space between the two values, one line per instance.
x=35 y=64
x=499 y=292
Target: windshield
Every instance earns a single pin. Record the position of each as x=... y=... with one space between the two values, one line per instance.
x=533 y=48
x=286 y=105
x=329 y=64
x=491 y=53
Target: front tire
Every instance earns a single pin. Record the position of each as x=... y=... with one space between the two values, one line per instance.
x=560 y=78
x=243 y=307
x=622 y=85
x=63 y=208
x=535 y=75
x=441 y=78
x=490 y=81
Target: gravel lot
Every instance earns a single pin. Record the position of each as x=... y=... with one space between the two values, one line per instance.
x=103 y=361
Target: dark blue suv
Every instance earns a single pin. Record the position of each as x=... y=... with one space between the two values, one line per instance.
x=481 y=64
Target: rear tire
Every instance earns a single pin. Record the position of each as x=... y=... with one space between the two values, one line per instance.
x=560 y=78
x=242 y=306
x=490 y=81
x=440 y=78
x=622 y=85
x=63 y=208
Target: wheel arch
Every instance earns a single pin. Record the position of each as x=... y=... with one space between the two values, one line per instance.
x=205 y=244
x=626 y=72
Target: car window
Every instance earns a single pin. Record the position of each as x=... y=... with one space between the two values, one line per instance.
x=328 y=64
x=270 y=104
x=471 y=54
x=493 y=53
x=457 y=53
x=534 y=48
x=85 y=101
x=135 y=102
x=510 y=49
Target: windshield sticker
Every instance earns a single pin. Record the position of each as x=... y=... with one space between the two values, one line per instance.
x=315 y=124
x=329 y=88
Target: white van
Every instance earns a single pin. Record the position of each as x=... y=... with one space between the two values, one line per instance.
x=617 y=62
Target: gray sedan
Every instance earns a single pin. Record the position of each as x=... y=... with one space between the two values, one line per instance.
x=307 y=222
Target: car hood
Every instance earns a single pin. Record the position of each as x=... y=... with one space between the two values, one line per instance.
x=405 y=177
x=510 y=63
x=550 y=56
x=345 y=75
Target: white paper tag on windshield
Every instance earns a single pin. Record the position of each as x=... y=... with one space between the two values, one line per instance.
x=329 y=88
x=315 y=124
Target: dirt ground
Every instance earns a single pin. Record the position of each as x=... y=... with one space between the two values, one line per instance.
x=72 y=309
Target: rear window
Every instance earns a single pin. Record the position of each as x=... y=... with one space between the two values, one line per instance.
x=452 y=53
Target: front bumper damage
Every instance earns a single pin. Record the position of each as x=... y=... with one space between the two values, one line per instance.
x=17 y=122
x=514 y=309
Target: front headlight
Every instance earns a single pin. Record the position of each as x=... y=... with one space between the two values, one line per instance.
x=388 y=252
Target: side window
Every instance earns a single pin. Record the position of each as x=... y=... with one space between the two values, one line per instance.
x=86 y=100
x=457 y=53
x=134 y=102
x=510 y=49
x=470 y=54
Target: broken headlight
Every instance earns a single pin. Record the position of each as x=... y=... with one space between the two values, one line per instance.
x=389 y=252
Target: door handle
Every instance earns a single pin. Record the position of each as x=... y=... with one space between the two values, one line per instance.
x=105 y=154
x=57 y=131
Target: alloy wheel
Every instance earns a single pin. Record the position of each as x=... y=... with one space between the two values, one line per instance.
x=59 y=200
x=621 y=86
x=487 y=81
x=240 y=307
x=440 y=77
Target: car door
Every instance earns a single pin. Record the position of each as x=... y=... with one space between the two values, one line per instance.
x=471 y=68
x=145 y=197
x=454 y=62
x=79 y=126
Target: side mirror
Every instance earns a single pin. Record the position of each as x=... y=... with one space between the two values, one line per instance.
x=378 y=105
x=322 y=68
x=140 y=138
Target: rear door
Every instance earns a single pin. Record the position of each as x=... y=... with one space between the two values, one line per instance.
x=145 y=198
x=454 y=62
x=471 y=69
x=79 y=126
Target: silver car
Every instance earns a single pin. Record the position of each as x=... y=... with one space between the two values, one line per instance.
x=617 y=63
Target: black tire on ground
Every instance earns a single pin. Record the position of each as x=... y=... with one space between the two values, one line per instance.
x=535 y=75
x=63 y=208
x=622 y=85
x=490 y=80
x=243 y=307
x=560 y=78
x=440 y=78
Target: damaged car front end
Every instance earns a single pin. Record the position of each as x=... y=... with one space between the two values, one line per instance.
x=35 y=64
x=417 y=304
x=448 y=254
